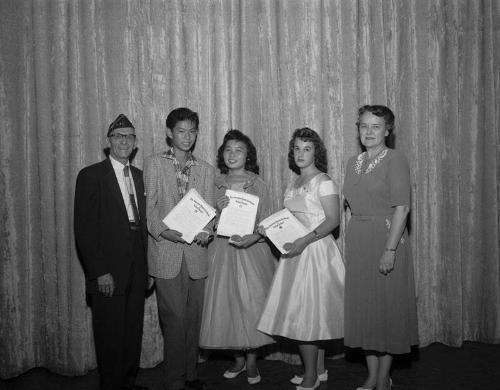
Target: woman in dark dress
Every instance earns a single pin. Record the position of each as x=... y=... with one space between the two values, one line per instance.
x=380 y=311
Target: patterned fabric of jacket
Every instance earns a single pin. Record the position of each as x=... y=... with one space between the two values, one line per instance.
x=165 y=257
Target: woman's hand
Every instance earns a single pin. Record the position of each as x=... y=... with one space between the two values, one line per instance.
x=387 y=262
x=203 y=238
x=297 y=247
x=245 y=241
x=222 y=202
x=261 y=231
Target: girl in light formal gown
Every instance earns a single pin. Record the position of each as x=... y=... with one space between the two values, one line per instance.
x=240 y=272
x=306 y=300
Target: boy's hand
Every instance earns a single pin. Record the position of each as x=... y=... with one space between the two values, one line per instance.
x=172 y=235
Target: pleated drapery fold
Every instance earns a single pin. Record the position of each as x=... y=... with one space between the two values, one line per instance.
x=69 y=67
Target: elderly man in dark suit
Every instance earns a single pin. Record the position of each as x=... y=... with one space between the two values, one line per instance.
x=111 y=236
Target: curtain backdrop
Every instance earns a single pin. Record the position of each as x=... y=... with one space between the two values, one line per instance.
x=68 y=68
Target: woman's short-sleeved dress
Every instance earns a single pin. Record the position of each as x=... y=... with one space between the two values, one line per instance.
x=237 y=283
x=380 y=310
x=306 y=299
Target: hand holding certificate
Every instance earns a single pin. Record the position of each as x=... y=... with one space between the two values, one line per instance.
x=283 y=227
x=238 y=217
x=190 y=215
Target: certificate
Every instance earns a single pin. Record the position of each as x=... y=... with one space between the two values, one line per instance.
x=190 y=215
x=238 y=217
x=283 y=227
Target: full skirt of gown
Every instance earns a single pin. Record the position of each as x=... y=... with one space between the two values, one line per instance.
x=235 y=293
x=306 y=301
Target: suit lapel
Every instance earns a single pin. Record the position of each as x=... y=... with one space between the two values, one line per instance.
x=171 y=180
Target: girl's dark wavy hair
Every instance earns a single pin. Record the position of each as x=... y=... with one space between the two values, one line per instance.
x=320 y=156
x=251 y=161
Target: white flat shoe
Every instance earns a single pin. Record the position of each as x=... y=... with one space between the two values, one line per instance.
x=233 y=374
x=315 y=386
x=297 y=380
x=254 y=380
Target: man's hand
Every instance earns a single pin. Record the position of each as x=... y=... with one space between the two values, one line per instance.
x=106 y=284
x=172 y=235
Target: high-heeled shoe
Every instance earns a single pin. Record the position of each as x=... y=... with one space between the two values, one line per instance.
x=255 y=379
x=315 y=386
x=366 y=388
x=233 y=374
x=297 y=380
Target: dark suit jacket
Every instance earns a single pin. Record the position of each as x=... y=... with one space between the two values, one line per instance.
x=102 y=227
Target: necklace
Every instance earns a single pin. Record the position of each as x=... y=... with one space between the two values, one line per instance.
x=363 y=158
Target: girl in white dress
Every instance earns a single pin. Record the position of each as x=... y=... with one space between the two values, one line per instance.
x=240 y=272
x=306 y=299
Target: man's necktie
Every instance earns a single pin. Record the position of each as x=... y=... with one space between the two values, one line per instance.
x=131 y=195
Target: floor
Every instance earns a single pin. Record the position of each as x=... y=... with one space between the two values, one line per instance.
x=474 y=366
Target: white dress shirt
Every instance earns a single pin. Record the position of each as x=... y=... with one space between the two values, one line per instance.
x=118 y=168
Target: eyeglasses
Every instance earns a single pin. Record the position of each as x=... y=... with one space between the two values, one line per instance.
x=119 y=137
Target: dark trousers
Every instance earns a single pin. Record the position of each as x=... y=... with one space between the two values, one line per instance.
x=180 y=304
x=118 y=323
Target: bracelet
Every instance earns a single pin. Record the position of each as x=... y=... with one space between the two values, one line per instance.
x=316 y=235
x=390 y=250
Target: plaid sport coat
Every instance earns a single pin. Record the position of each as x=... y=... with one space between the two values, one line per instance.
x=165 y=257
